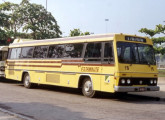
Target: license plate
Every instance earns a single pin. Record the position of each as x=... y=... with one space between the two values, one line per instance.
x=142 y=89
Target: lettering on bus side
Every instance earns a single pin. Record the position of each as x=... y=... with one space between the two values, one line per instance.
x=126 y=67
x=90 y=69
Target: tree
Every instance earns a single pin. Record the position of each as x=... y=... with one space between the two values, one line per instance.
x=77 y=32
x=37 y=20
x=159 y=29
x=5 y=18
x=27 y=20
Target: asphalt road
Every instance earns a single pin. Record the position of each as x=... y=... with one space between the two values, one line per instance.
x=57 y=103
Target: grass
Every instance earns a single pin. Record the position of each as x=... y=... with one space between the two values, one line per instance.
x=161 y=73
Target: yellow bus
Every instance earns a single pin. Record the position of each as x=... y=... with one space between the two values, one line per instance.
x=109 y=63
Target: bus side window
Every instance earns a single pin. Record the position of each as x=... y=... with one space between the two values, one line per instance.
x=73 y=50
x=108 y=52
x=40 y=52
x=27 y=52
x=93 y=52
x=55 y=51
x=15 y=53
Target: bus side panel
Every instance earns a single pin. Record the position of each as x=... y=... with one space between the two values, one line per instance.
x=96 y=82
x=13 y=74
x=37 y=77
x=107 y=81
x=69 y=80
x=69 y=76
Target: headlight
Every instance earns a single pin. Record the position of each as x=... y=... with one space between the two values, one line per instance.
x=151 y=81
x=140 y=82
x=155 y=81
x=123 y=81
x=128 y=81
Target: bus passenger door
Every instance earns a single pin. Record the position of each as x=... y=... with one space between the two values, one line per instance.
x=107 y=81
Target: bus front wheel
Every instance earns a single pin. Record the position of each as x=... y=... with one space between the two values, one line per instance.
x=26 y=81
x=87 y=88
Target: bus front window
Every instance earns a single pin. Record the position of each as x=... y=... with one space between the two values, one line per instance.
x=135 y=53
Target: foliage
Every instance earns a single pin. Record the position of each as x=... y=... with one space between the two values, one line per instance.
x=27 y=20
x=5 y=17
x=77 y=32
x=159 y=29
x=37 y=20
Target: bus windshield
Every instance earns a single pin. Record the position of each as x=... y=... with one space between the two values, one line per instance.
x=135 y=53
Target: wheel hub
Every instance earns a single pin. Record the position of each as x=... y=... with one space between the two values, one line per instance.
x=27 y=81
x=88 y=86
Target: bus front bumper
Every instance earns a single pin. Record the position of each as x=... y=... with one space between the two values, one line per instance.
x=136 y=89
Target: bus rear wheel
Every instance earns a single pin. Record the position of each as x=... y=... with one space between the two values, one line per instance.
x=87 y=88
x=26 y=81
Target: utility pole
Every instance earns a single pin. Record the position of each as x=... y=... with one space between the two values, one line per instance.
x=106 y=25
x=46 y=5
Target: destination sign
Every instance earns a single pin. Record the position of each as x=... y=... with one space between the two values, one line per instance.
x=137 y=39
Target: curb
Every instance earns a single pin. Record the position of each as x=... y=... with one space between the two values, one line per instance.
x=15 y=114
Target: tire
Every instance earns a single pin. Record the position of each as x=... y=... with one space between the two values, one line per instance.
x=26 y=81
x=87 y=88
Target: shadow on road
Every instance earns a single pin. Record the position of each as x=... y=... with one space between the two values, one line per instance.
x=8 y=81
x=40 y=111
x=130 y=97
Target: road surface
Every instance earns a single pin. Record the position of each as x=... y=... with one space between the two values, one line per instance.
x=57 y=103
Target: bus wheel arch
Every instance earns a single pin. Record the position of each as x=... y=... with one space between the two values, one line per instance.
x=26 y=80
x=86 y=85
x=23 y=73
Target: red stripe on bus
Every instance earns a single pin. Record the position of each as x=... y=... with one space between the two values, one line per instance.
x=61 y=65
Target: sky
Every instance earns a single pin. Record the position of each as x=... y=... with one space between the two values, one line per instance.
x=125 y=16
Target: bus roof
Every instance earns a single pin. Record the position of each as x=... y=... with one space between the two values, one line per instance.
x=3 y=48
x=22 y=40
x=76 y=39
